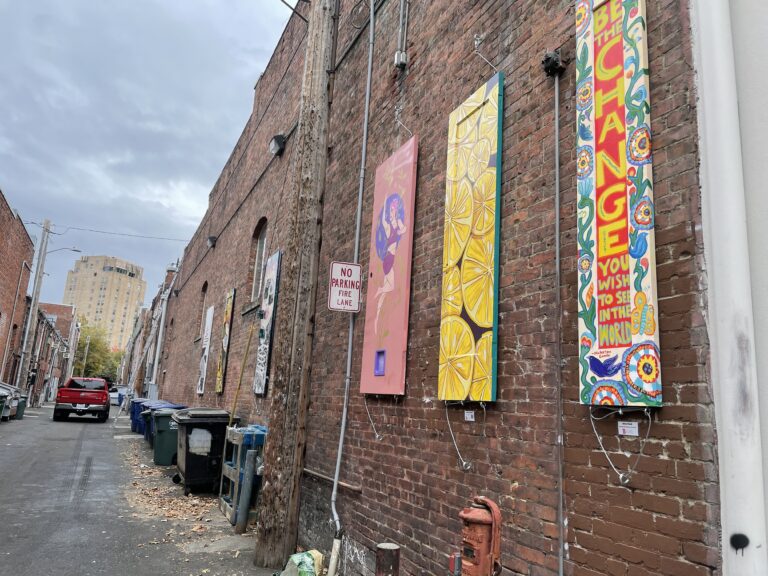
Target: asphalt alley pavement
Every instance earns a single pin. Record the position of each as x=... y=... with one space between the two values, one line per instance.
x=64 y=511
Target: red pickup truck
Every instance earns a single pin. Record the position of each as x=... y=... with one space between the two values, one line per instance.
x=82 y=396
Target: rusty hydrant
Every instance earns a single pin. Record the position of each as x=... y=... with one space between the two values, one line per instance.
x=481 y=538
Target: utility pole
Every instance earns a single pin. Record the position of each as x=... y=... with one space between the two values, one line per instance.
x=72 y=341
x=277 y=530
x=31 y=330
x=85 y=356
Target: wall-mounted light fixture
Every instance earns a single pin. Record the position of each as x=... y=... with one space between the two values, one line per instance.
x=212 y=241
x=277 y=145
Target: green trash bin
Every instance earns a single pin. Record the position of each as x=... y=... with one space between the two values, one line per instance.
x=20 y=408
x=166 y=437
x=146 y=415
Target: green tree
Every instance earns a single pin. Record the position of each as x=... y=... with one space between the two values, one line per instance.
x=101 y=362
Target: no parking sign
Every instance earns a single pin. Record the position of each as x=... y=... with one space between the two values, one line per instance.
x=344 y=287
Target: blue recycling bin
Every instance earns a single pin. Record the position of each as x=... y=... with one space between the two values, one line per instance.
x=136 y=409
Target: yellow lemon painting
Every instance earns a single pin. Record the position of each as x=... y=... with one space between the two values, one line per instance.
x=469 y=303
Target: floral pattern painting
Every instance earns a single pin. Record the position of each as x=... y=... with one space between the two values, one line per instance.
x=619 y=361
x=469 y=303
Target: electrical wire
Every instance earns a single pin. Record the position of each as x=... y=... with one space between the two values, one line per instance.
x=109 y=233
x=624 y=477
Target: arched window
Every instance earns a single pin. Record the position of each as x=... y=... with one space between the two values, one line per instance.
x=258 y=246
x=203 y=294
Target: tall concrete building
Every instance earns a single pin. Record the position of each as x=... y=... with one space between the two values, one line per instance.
x=108 y=292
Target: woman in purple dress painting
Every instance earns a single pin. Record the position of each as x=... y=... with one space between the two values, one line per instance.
x=391 y=229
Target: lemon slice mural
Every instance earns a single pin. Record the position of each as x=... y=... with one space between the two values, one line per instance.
x=452 y=300
x=484 y=203
x=458 y=161
x=478 y=159
x=468 y=312
x=482 y=372
x=457 y=355
x=458 y=221
x=477 y=280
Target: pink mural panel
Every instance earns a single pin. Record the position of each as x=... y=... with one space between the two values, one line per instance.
x=389 y=274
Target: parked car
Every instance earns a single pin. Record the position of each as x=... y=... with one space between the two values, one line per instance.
x=114 y=394
x=82 y=396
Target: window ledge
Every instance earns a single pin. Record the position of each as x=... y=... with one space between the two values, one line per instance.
x=250 y=307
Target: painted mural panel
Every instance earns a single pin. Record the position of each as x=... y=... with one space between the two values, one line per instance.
x=221 y=365
x=205 y=350
x=469 y=303
x=266 y=322
x=389 y=274
x=619 y=361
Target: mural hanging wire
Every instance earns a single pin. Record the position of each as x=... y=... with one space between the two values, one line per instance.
x=376 y=434
x=466 y=465
x=479 y=38
x=399 y=121
x=624 y=477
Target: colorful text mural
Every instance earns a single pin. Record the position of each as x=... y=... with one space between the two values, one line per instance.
x=389 y=274
x=469 y=303
x=226 y=328
x=266 y=322
x=619 y=360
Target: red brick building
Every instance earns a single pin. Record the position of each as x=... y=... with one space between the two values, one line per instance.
x=16 y=254
x=407 y=486
x=51 y=350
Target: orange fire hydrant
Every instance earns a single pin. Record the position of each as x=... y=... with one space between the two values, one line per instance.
x=481 y=538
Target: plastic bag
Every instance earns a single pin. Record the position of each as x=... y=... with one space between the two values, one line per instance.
x=304 y=564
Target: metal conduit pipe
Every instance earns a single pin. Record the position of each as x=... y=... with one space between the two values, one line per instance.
x=401 y=56
x=554 y=67
x=333 y=563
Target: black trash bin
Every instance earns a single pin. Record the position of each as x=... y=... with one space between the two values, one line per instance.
x=201 y=437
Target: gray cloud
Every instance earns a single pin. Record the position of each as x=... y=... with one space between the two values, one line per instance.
x=120 y=115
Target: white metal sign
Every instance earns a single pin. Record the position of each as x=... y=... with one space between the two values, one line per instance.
x=628 y=428
x=344 y=287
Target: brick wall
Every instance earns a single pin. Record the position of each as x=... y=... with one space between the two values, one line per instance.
x=412 y=488
x=666 y=521
x=252 y=186
x=15 y=248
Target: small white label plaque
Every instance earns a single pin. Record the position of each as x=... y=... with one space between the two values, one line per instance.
x=628 y=428
x=469 y=415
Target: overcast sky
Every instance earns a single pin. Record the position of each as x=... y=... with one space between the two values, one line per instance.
x=119 y=115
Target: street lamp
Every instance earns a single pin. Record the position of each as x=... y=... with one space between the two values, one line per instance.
x=31 y=328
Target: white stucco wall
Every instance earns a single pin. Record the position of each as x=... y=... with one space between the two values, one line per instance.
x=749 y=20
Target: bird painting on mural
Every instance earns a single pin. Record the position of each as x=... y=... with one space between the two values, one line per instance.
x=605 y=368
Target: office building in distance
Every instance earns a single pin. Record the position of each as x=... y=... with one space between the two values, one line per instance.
x=107 y=292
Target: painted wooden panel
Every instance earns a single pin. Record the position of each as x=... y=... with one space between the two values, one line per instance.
x=619 y=362
x=267 y=310
x=469 y=302
x=226 y=328
x=389 y=274
x=205 y=349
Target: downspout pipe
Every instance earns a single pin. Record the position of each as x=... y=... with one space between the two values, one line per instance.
x=351 y=333
x=554 y=68
x=13 y=315
x=730 y=319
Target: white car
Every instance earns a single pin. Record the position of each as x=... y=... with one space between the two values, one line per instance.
x=114 y=393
